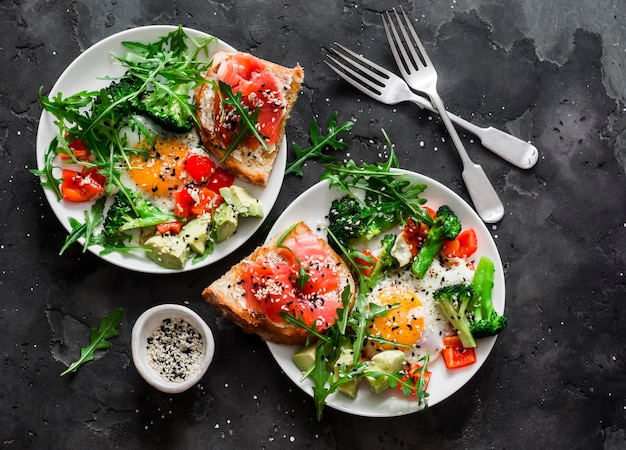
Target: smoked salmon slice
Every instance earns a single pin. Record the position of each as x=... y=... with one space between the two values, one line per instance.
x=259 y=88
x=272 y=283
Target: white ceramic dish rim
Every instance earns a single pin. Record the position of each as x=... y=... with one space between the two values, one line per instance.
x=148 y=322
x=83 y=73
x=312 y=207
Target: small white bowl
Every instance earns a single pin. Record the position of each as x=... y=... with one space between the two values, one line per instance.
x=147 y=323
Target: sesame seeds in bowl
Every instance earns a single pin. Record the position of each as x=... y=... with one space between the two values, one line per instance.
x=172 y=347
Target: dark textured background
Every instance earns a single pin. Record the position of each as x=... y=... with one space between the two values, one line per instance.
x=548 y=72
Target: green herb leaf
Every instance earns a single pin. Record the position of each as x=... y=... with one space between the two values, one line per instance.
x=247 y=119
x=86 y=230
x=321 y=377
x=389 y=196
x=303 y=276
x=319 y=144
x=107 y=330
x=48 y=180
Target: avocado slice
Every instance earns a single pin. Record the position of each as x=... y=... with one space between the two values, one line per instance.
x=350 y=388
x=346 y=358
x=168 y=251
x=224 y=222
x=242 y=201
x=305 y=357
x=196 y=232
x=386 y=361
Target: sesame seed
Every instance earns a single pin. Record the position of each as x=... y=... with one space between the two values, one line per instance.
x=174 y=350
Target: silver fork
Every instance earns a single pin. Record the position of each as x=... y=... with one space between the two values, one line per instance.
x=386 y=87
x=421 y=75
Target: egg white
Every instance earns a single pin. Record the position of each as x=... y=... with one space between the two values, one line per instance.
x=190 y=140
x=435 y=324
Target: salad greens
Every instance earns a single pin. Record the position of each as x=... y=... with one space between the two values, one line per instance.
x=386 y=192
x=319 y=144
x=166 y=70
x=107 y=330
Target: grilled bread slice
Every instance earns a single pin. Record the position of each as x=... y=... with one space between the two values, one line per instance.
x=239 y=297
x=266 y=85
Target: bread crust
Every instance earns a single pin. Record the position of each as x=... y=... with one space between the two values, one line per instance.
x=228 y=296
x=251 y=165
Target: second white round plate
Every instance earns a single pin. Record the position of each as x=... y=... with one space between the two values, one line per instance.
x=312 y=206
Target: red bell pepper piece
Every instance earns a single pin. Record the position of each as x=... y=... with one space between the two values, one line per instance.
x=79 y=149
x=84 y=186
x=169 y=227
x=464 y=245
x=455 y=355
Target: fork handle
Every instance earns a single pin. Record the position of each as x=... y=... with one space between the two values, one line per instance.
x=486 y=201
x=514 y=150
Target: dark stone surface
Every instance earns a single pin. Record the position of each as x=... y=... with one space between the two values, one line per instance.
x=548 y=72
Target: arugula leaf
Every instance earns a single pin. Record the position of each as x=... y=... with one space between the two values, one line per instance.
x=319 y=144
x=107 y=330
x=50 y=180
x=247 y=119
x=303 y=276
x=86 y=230
x=387 y=193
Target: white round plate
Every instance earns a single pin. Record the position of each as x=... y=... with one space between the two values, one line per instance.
x=86 y=73
x=312 y=206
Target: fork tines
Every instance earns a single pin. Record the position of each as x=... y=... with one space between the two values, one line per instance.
x=351 y=69
x=415 y=60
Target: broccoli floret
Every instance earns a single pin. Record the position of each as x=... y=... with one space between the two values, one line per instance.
x=344 y=220
x=130 y=210
x=454 y=301
x=119 y=97
x=349 y=220
x=446 y=226
x=385 y=261
x=489 y=325
x=125 y=88
x=164 y=107
x=484 y=320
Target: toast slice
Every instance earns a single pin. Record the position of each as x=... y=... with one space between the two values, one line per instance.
x=249 y=161
x=229 y=296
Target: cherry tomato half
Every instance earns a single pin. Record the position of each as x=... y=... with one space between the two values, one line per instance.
x=199 y=167
x=220 y=178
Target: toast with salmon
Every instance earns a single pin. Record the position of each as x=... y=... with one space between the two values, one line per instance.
x=265 y=87
x=297 y=273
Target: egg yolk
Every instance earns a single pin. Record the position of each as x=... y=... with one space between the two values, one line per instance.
x=162 y=172
x=400 y=324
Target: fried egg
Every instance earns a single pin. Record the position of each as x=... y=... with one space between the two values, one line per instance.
x=413 y=321
x=161 y=174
